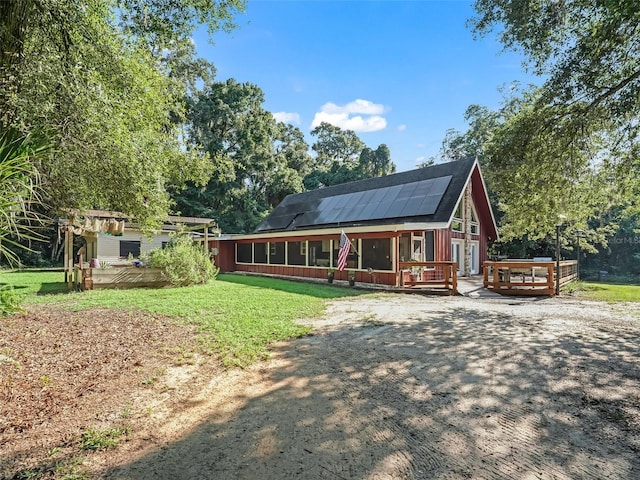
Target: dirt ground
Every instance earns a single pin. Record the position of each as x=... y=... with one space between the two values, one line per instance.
x=391 y=387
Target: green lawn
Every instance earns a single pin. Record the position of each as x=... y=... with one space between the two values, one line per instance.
x=609 y=292
x=238 y=316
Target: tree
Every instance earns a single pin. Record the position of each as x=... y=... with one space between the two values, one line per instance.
x=105 y=81
x=342 y=157
x=573 y=144
x=257 y=161
x=374 y=163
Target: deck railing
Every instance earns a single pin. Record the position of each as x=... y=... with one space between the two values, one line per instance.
x=430 y=275
x=527 y=277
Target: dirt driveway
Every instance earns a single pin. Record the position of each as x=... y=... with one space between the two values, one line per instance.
x=413 y=387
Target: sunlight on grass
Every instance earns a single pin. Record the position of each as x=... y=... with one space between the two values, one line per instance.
x=238 y=316
x=607 y=292
x=26 y=282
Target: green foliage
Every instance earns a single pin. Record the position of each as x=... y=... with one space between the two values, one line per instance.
x=342 y=157
x=256 y=160
x=571 y=145
x=10 y=300
x=106 y=80
x=183 y=261
x=18 y=191
x=99 y=439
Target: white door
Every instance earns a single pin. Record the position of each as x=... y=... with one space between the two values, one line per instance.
x=457 y=254
x=475 y=250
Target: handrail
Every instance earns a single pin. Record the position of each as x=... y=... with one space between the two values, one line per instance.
x=527 y=277
x=431 y=274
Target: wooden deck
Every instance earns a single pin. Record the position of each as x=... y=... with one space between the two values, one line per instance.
x=439 y=277
x=527 y=277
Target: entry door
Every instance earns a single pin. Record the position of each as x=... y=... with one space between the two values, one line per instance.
x=475 y=248
x=457 y=254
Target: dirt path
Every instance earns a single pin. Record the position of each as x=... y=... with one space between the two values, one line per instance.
x=408 y=387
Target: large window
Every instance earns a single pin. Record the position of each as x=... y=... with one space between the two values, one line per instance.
x=376 y=253
x=457 y=225
x=260 y=253
x=244 y=253
x=297 y=253
x=129 y=247
x=276 y=256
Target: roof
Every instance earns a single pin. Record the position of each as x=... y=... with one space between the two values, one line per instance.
x=428 y=195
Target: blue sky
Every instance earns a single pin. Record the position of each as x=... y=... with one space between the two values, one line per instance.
x=395 y=72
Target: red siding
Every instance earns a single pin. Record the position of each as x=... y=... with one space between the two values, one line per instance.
x=225 y=260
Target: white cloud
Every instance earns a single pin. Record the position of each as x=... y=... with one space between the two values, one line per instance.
x=402 y=127
x=370 y=117
x=287 y=117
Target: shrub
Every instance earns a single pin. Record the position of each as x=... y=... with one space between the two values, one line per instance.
x=10 y=301
x=183 y=262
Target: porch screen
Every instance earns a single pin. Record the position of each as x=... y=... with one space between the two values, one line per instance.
x=259 y=253
x=276 y=254
x=296 y=253
x=319 y=253
x=244 y=253
x=376 y=253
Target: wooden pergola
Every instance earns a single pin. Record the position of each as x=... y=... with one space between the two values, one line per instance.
x=71 y=225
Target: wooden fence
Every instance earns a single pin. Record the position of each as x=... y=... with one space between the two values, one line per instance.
x=527 y=277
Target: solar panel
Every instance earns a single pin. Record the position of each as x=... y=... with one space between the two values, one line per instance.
x=406 y=200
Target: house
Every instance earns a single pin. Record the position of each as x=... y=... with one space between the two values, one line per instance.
x=434 y=214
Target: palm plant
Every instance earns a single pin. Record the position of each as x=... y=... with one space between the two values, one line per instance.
x=18 y=191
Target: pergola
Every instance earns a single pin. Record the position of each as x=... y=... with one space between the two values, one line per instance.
x=92 y=222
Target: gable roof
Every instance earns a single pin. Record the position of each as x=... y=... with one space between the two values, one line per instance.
x=427 y=195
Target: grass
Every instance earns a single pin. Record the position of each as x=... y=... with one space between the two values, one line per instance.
x=28 y=282
x=608 y=292
x=238 y=316
x=94 y=439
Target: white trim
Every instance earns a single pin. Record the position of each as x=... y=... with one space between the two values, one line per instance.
x=399 y=227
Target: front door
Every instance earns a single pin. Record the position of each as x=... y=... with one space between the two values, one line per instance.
x=457 y=254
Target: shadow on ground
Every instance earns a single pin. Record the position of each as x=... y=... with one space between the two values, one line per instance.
x=451 y=393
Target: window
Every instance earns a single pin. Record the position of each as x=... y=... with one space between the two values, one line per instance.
x=260 y=253
x=294 y=255
x=475 y=226
x=457 y=224
x=129 y=247
x=429 y=246
x=376 y=253
x=244 y=252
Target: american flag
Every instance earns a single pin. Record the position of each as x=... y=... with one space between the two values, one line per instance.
x=343 y=253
